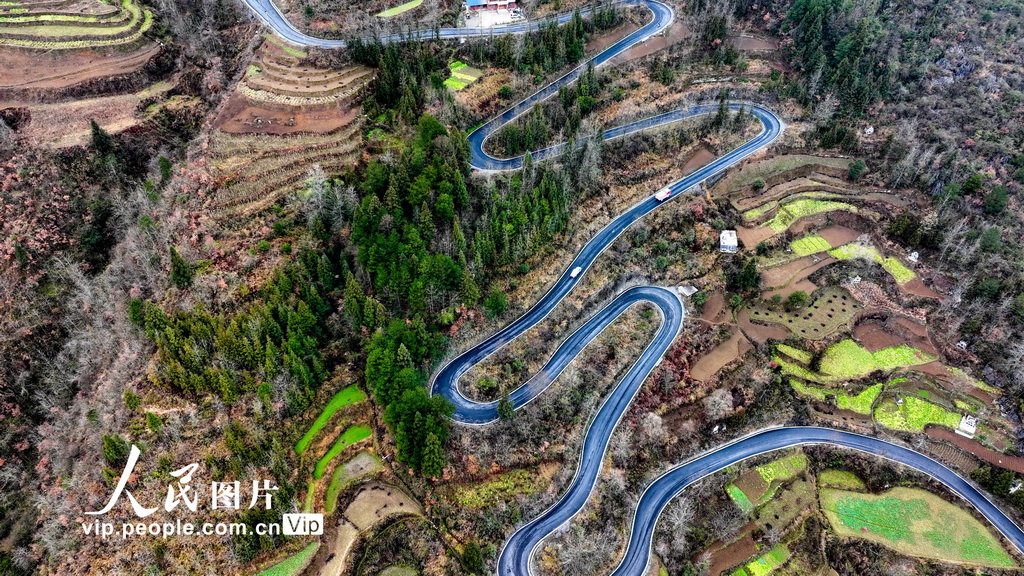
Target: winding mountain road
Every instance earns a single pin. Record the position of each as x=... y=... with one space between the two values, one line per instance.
x=517 y=554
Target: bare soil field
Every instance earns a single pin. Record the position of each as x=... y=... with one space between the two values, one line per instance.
x=752 y=43
x=709 y=364
x=699 y=158
x=750 y=236
x=757 y=332
x=724 y=557
x=58 y=69
x=838 y=235
x=713 y=308
x=874 y=336
x=793 y=272
x=240 y=116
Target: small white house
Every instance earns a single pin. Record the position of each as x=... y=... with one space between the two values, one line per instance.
x=968 y=426
x=727 y=242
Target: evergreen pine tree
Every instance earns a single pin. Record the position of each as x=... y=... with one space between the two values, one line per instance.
x=181 y=271
x=432 y=462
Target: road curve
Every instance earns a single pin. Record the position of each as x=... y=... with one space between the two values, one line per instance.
x=517 y=554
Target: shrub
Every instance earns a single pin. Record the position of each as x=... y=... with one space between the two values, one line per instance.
x=857 y=169
x=115 y=448
x=758 y=184
x=797 y=299
x=153 y=422
x=132 y=400
x=495 y=304
x=991 y=239
x=996 y=200
x=973 y=184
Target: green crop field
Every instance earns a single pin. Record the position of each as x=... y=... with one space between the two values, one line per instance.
x=784 y=468
x=894 y=267
x=810 y=245
x=840 y=479
x=860 y=403
x=766 y=564
x=348 y=437
x=793 y=211
x=739 y=498
x=462 y=75
x=914 y=415
x=846 y=359
x=914 y=522
x=349 y=395
x=396 y=10
x=796 y=353
x=294 y=564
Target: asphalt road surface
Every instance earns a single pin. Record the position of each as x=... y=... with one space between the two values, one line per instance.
x=517 y=553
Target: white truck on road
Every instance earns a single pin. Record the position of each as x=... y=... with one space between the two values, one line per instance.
x=662 y=194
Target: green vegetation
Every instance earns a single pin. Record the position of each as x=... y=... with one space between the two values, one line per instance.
x=740 y=498
x=181 y=270
x=914 y=522
x=784 y=468
x=396 y=10
x=914 y=415
x=500 y=489
x=766 y=564
x=279 y=332
x=792 y=211
x=860 y=403
x=894 y=267
x=847 y=360
x=294 y=564
x=840 y=479
x=461 y=76
x=810 y=245
x=801 y=355
x=349 y=437
x=347 y=396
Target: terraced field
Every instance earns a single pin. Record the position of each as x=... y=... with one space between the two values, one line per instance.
x=257 y=170
x=282 y=94
x=68 y=24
